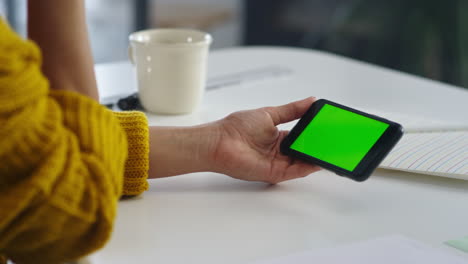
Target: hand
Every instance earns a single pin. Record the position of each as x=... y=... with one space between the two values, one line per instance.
x=248 y=147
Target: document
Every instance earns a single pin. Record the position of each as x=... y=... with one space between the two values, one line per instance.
x=386 y=250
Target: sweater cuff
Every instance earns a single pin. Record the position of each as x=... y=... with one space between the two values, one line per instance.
x=135 y=126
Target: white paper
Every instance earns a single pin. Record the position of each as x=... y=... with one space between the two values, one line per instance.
x=395 y=249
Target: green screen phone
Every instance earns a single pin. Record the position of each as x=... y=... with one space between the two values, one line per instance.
x=346 y=141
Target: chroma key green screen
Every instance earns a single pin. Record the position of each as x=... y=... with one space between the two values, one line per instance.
x=339 y=137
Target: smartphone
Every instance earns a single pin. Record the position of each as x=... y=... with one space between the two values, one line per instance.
x=341 y=139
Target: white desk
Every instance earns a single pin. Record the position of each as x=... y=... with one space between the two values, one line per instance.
x=211 y=218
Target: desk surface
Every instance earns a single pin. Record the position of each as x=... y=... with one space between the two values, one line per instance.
x=211 y=218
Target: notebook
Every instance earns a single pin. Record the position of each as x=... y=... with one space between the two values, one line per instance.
x=437 y=153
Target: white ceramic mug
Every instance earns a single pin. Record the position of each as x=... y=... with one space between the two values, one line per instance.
x=171 y=68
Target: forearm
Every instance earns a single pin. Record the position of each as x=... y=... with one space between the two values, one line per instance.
x=180 y=150
x=59 y=28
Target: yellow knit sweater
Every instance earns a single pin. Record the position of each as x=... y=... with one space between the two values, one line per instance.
x=64 y=162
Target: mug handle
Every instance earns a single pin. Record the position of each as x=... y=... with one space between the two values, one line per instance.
x=130 y=54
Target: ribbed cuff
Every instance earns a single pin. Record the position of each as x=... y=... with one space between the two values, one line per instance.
x=135 y=126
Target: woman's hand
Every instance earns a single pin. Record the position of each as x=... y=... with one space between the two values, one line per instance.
x=248 y=147
x=243 y=145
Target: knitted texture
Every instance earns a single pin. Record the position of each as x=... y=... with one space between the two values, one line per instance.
x=63 y=159
x=135 y=126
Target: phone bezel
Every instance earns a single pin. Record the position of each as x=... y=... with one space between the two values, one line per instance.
x=370 y=161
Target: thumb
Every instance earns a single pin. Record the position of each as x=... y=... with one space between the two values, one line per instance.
x=289 y=112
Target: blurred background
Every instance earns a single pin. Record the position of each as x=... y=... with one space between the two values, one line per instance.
x=428 y=38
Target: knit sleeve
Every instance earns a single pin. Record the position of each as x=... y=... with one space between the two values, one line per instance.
x=63 y=161
x=135 y=126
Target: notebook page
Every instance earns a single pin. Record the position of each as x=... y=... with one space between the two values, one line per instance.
x=437 y=153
